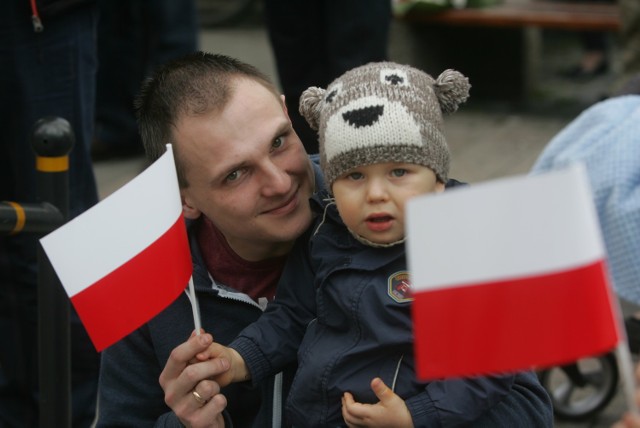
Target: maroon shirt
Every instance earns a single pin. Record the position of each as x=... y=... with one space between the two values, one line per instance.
x=256 y=279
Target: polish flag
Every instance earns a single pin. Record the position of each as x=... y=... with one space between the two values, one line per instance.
x=509 y=275
x=127 y=258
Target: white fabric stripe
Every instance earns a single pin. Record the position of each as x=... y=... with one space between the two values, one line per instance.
x=112 y=232
x=510 y=228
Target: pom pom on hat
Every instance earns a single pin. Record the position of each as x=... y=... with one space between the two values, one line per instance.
x=310 y=105
x=452 y=89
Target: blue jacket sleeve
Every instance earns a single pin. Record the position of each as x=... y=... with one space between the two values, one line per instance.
x=271 y=343
x=501 y=401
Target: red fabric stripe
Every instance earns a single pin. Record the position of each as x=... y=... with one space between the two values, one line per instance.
x=514 y=325
x=138 y=290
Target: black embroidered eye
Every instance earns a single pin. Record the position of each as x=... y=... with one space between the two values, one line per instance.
x=394 y=79
x=331 y=95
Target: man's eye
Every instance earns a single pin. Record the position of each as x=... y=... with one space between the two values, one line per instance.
x=277 y=143
x=233 y=176
x=355 y=176
x=398 y=172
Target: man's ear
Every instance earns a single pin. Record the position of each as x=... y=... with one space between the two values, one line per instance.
x=284 y=105
x=439 y=186
x=188 y=210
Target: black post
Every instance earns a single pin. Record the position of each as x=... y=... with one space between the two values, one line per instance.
x=52 y=140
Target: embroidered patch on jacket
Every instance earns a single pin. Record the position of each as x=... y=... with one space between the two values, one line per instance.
x=400 y=287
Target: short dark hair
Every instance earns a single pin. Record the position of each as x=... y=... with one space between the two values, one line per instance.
x=194 y=84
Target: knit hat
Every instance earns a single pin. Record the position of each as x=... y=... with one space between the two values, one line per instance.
x=383 y=112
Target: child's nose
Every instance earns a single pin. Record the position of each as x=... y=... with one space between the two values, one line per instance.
x=377 y=191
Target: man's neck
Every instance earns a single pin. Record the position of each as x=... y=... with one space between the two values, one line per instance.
x=254 y=278
x=252 y=251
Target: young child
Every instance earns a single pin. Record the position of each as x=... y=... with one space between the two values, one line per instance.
x=344 y=311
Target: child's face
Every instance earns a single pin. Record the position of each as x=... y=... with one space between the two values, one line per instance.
x=371 y=199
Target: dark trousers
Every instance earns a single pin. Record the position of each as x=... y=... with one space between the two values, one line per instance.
x=41 y=74
x=315 y=41
x=134 y=37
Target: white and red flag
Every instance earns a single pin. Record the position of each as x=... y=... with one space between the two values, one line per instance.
x=127 y=258
x=509 y=275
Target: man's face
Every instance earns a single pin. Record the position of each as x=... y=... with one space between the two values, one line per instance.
x=247 y=171
x=371 y=199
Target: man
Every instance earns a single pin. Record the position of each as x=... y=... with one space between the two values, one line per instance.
x=245 y=182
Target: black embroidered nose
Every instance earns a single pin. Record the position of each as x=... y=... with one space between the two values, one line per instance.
x=363 y=116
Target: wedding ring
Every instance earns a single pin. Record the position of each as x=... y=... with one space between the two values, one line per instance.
x=199 y=398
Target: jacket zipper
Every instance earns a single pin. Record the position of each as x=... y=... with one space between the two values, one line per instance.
x=395 y=375
x=276 y=419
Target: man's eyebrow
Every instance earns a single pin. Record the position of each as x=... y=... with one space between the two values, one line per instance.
x=283 y=128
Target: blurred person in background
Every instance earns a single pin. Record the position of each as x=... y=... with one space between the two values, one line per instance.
x=134 y=37
x=47 y=68
x=315 y=41
x=605 y=137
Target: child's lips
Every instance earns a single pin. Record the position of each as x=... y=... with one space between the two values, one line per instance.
x=379 y=222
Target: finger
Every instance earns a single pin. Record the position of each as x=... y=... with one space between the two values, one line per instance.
x=200 y=395
x=207 y=389
x=200 y=399
x=195 y=373
x=355 y=411
x=381 y=390
x=193 y=333
x=196 y=411
x=183 y=353
x=178 y=378
x=347 y=398
x=212 y=351
x=213 y=409
x=350 y=419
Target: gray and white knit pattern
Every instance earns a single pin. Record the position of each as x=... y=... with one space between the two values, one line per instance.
x=383 y=112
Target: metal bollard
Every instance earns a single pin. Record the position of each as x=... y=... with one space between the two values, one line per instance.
x=52 y=139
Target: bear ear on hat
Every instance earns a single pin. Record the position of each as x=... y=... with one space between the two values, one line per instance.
x=311 y=105
x=452 y=89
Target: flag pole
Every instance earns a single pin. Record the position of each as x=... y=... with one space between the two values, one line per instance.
x=627 y=374
x=194 y=306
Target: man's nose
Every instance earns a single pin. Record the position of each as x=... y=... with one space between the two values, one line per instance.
x=276 y=180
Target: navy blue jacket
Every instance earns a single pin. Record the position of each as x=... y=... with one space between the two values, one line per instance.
x=339 y=310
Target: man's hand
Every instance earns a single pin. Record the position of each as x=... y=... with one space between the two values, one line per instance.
x=390 y=411
x=188 y=386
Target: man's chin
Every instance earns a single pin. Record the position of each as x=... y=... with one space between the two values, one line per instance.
x=291 y=229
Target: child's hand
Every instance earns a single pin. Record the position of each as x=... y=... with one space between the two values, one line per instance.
x=237 y=372
x=390 y=411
